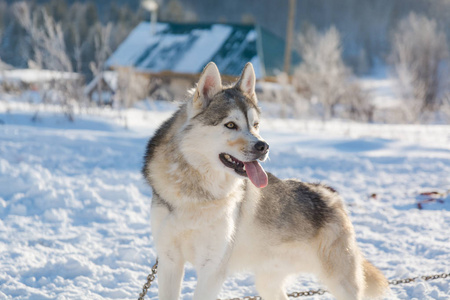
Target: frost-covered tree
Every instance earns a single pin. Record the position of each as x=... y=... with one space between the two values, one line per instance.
x=49 y=47
x=323 y=77
x=102 y=51
x=46 y=36
x=419 y=59
x=132 y=87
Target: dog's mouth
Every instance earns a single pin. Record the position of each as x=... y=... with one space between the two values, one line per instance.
x=252 y=169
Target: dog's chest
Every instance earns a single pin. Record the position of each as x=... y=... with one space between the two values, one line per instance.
x=203 y=228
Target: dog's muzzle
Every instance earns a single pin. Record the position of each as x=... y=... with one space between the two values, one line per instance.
x=250 y=169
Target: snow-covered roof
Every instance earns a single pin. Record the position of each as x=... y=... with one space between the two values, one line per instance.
x=36 y=76
x=187 y=48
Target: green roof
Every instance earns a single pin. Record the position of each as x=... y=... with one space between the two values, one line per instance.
x=187 y=48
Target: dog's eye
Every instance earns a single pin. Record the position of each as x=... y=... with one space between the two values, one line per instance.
x=256 y=125
x=231 y=125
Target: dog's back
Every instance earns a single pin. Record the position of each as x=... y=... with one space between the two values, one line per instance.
x=291 y=227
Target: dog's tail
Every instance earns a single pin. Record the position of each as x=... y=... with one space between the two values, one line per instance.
x=376 y=283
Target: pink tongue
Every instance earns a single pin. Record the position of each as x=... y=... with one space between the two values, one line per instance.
x=256 y=173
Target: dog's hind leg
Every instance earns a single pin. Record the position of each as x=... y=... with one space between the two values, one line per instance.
x=270 y=286
x=170 y=275
x=342 y=288
x=341 y=268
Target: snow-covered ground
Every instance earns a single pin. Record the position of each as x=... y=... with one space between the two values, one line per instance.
x=74 y=209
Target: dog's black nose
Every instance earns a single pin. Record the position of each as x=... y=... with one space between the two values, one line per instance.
x=261 y=146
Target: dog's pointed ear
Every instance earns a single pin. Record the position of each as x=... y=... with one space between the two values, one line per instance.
x=208 y=86
x=247 y=81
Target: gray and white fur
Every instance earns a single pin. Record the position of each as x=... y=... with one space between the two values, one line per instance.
x=214 y=206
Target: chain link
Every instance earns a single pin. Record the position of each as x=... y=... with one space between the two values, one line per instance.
x=425 y=277
x=150 y=279
x=152 y=275
x=246 y=298
x=307 y=293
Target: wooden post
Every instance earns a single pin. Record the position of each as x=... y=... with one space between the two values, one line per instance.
x=289 y=33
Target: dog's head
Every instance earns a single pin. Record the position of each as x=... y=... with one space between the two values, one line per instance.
x=222 y=131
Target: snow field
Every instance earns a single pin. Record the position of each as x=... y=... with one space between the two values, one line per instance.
x=74 y=209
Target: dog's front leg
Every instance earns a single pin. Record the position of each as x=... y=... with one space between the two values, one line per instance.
x=210 y=279
x=213 y=252
x=170 y=275
x=211 y=265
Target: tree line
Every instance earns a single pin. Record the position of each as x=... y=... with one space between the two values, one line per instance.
x=80 y=24
x=336 y=39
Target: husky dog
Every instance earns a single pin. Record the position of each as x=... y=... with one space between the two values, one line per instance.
x=215 y=207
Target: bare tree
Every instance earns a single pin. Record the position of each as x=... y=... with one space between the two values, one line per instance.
x=323 y=77
x=419 y=57
x=102 y=51
x=287 y=98
x=47 y=39
x=131 y=88
x=50 y=52
x=28 y=21
x=78 y=50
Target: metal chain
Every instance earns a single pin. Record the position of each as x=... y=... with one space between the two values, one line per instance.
x=292 y=295
x=246 y=298
x=425 y=277
x=307 y=293
x=150 y=279
x=152 y=275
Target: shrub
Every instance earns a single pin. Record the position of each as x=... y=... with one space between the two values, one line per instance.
x=323 y=77
x=419 y=59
